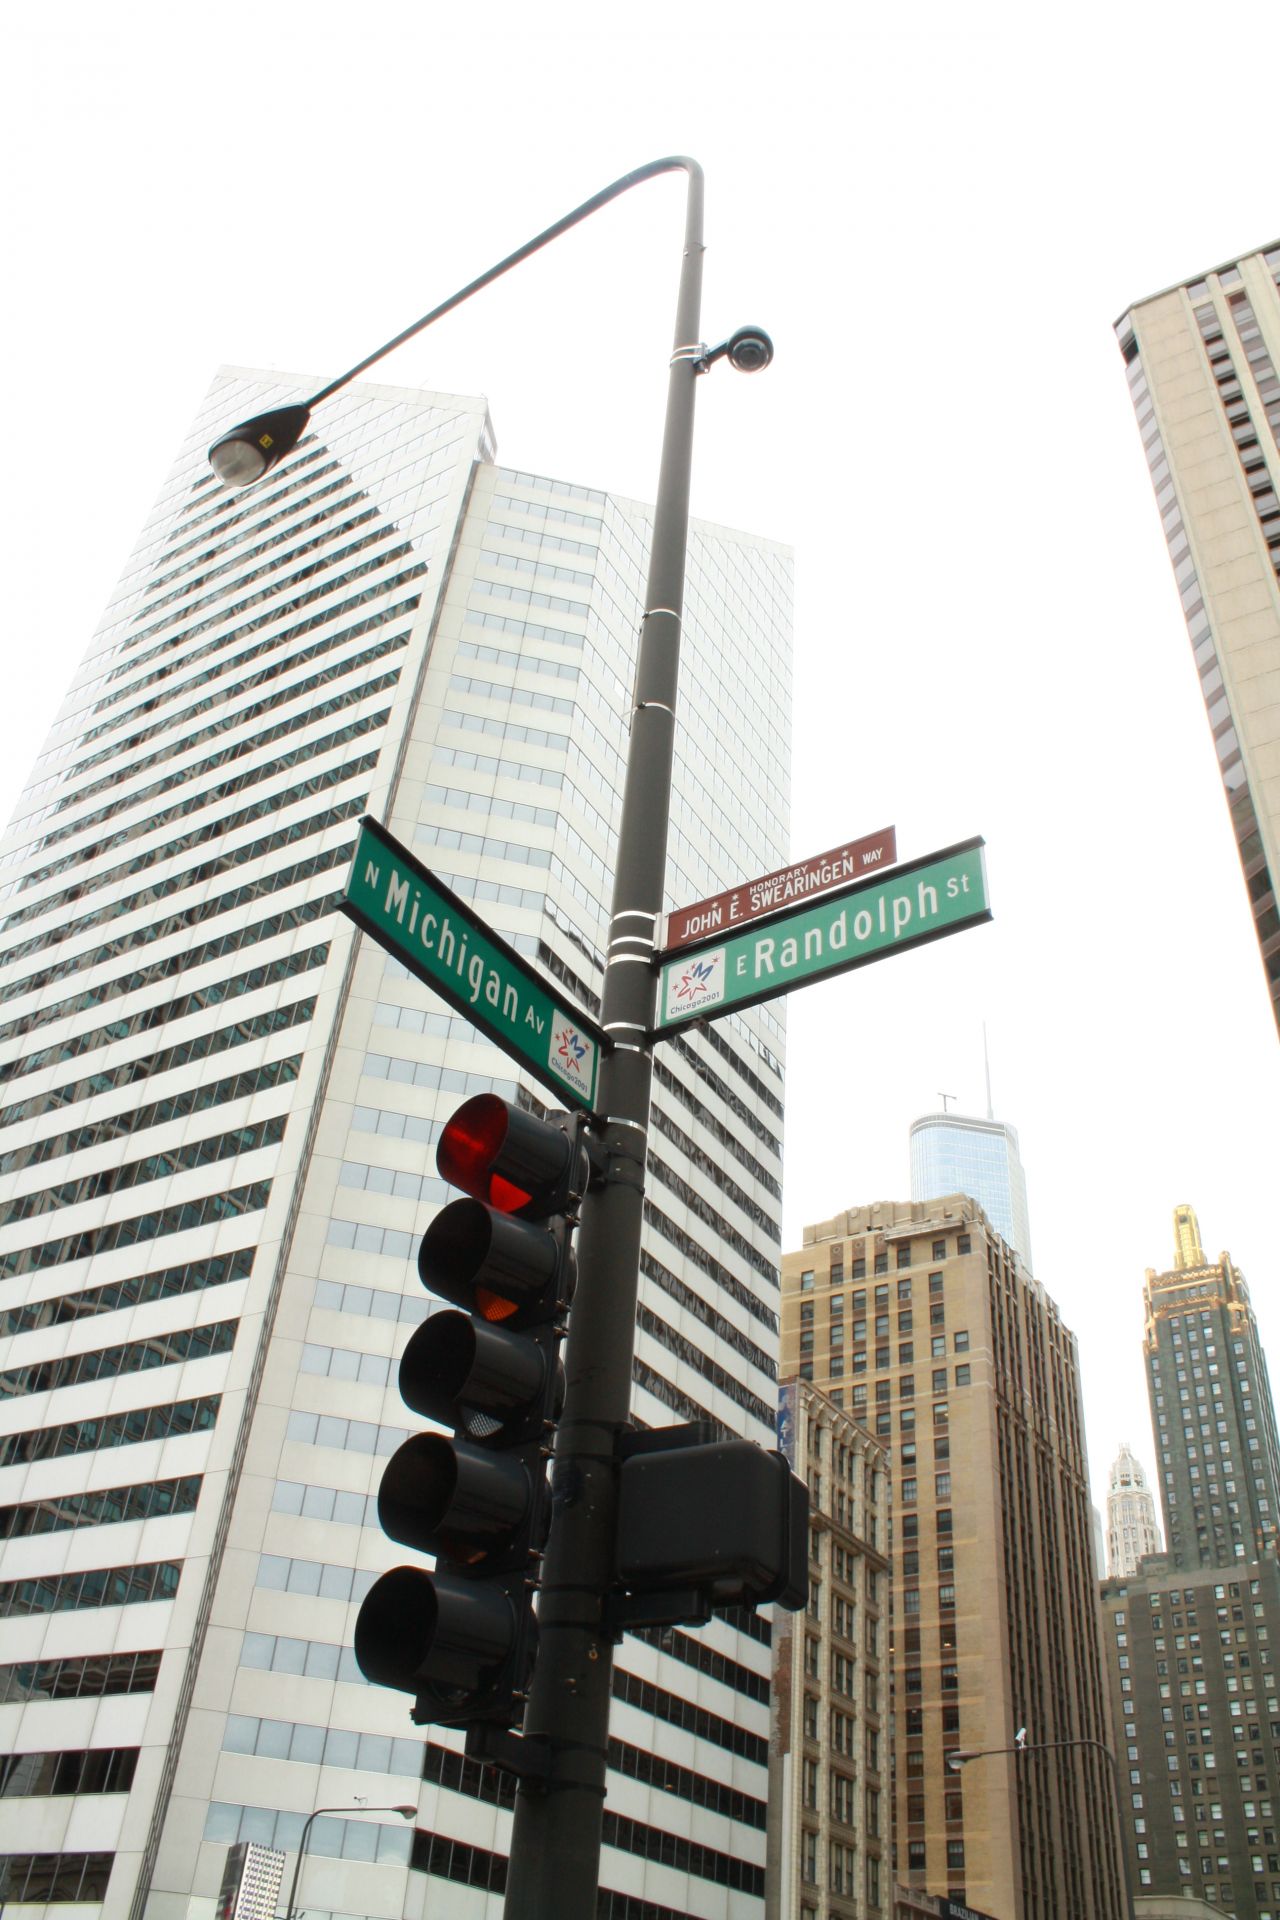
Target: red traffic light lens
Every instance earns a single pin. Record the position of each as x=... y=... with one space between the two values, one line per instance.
x=472 y=1141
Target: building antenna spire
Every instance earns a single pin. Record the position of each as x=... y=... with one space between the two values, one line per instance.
x=986 y=1061
x=944 y=1097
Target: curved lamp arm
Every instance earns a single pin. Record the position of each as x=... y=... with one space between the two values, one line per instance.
x=248 y=451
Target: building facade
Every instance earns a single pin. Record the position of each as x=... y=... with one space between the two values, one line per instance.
x=958 y=1153
x=919 y=1320
x=1211 y=1408
x=216 y=1154
x=1203 y=363
x=828 y=1851
x=1192 y=1634
x=1131 y=1514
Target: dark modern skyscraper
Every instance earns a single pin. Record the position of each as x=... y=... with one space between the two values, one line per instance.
x=1193 y=1636
x=1215 y=1426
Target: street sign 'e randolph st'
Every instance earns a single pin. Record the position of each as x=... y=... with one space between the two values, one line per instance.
x=918 y=902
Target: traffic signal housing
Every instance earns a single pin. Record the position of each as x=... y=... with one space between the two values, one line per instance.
x=706 y=1522
x=461 y=1639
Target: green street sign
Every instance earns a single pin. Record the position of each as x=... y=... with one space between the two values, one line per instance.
x=406 y=909
x=918 y=902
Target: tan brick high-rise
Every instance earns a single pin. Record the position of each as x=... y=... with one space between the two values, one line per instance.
x=918 y=1319
x=1203 y=363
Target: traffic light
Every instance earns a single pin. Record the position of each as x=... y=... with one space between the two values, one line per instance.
x=461 y=1639
x=705 y=1523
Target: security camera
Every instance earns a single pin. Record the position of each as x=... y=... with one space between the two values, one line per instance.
x=749 y=349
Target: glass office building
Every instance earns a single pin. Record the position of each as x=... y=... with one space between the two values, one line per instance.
x=952 y=1153
x=216 y=1131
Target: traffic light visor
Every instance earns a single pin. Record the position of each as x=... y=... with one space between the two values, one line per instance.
x=505 y=1157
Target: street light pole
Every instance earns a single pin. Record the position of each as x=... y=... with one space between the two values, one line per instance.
x=963 y=1755
x=406 y=1813
x=556 y=1836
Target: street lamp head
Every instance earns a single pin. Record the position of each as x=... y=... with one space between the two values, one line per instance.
x=961 y=1755
x=406 y=1812
x=749 y=349
x=253 y=448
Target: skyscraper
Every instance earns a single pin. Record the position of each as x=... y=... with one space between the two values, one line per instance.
x=1203 y=360
x=1192 y=1635
x=958 y=1153
x=1211 y=1408
x=918 y=1319
x=1131 y=1514
x=215 y=1156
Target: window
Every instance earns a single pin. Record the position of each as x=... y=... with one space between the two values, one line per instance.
x=963 y=1375
x=964 y=1243
x=961 y=1341
x=939 y=1250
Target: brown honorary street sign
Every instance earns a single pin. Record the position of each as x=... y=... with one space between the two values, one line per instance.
x=822 y=871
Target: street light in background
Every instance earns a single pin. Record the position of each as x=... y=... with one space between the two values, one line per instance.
x=406 y=1813
x=560 y=1761
x=962 y=1756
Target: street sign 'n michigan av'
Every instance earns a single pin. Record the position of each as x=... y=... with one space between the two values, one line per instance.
x=918 y=902
x=406 y=909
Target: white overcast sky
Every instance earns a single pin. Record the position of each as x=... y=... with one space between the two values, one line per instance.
x=938 y=210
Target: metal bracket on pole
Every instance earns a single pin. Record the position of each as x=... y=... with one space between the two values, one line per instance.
x=494 y=1747
x=683 y=1607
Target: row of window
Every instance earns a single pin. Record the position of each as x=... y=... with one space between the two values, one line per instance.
x=83 y=1770
x=288 y=593
x=232 y=940
x=200 y=876
x=156 y=1113
x=701 y=1310
x=201 y=1046
x=54 y=1879
x=136 y=1290
x=712 y=1169
x=322 y=1746
x=98 y=1587
x=154 y=1166
x=134 y=1231
x=88 y=1676
x=371 y=1303
x=216 y=567
x=187 y=778
x=725 y=1136
x=117 y=780
x=198 y=836
x=702 y=1658
x=105 y=1508
x=693 y=1356
x=685 y=1856
x=110 y=1430
x=330 y=1837
x=678 y=1711
x=215 y=539
x=91 y=1039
